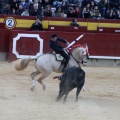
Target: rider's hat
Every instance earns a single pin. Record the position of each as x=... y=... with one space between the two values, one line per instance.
x=53 y=35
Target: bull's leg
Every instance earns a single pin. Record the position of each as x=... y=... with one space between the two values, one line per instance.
x=61 y=92
x=33 y=81
x=66 y=93
x=78 y=91
x=60 y=96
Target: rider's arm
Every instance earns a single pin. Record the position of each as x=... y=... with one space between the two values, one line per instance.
x=62 y=40
x=56 y=48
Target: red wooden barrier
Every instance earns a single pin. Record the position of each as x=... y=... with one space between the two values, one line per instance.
x=67 y=28
x=108 y=30
x=99 y=44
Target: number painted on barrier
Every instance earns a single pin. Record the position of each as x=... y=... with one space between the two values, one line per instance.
x=10 y=22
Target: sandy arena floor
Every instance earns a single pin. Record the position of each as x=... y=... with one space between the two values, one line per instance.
x=99 y=101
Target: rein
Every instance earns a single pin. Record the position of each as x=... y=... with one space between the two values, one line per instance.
x=76 y=60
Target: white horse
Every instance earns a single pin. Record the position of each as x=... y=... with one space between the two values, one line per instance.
x=47 y=63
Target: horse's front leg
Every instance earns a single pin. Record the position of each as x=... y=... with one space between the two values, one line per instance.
x=33 y=81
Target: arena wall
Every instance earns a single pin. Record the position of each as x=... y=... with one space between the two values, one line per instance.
x=101 y=36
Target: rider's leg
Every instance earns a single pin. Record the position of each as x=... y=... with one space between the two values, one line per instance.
x=66 y=57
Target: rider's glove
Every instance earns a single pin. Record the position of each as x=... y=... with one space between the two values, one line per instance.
x=67 y=43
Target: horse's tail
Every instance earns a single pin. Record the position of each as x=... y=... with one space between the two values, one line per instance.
x=21 y=64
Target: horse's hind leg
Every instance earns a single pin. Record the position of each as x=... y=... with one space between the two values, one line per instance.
x=41 y=78
x=33 y=81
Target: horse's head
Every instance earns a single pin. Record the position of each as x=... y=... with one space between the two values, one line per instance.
x=85 y=54
x=81 y=54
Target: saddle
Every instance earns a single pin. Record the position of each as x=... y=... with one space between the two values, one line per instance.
x=60 y=58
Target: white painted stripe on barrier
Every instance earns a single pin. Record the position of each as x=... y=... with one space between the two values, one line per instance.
x=14 y=51
x=105 y=57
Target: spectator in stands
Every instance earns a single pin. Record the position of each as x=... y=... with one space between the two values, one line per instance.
x=7 y=10
x=38 y=4
x=13 y=11
x=56 y=3
x=103 y=6
x=84 y=3
x=96 y=13
x=92 y=5
x=20 y=10
x=72 y=13
x=74 y=23
x=58 y=12
x=47 y=11
x=84 y=13
x=26 y=12
x=0 y=6
x=72 y=3
x=118 y=14
x=37 y=25
x=46 y=2
x=14 y=4
x=64 y=7
x=112 y=14
x=24 y=4
x=35 y=11
x=77 y=11
x=88 y=7
x=114 y=3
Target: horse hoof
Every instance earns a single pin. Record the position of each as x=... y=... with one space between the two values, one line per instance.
x=32 y=89
x=57 y=99
x=76 y=100
x=44 y=87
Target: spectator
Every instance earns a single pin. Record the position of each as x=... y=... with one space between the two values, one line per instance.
x=26 y=12
x=58 y=12
x=46 y=2
x=24 y=4
x=114 y=3
x=20 y=10
x=48 y=11
x=74 y=23
x=84 y=13
x=96 y=13
x=35 y=11
x=103 y=6
x=77 y=11
x=118 y=14
x=64 y=7
x=38 y=4
x=72 y=13
x=37 y=25
x=7 y=10
x=112 y=14
x=88 y=7
x=13 y=11
x=14 y=4
x=56 y=3
x=72 y=3
x=92 y=5
x=1 y=5
x=84 y=3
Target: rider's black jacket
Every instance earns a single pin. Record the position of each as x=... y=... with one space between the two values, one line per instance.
x=56 y=46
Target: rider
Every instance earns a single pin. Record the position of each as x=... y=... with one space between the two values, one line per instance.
x=54 y=44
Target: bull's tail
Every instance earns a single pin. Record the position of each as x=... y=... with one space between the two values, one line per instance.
x=58 y=77
x=21 y=64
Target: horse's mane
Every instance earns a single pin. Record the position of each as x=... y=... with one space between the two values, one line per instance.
x=73 y=47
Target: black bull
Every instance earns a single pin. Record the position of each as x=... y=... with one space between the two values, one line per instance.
x=72 y=78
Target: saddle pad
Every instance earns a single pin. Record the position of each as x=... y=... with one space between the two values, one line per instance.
x=59 y=57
